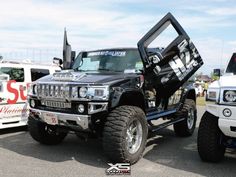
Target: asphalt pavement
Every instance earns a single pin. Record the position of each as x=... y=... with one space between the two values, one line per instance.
x=165 y=155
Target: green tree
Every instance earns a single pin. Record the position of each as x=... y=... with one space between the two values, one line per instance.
x=214 y=77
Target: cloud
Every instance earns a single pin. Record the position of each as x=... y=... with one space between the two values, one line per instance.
x=214 y=52
x=227 y=11
x=41 y=25
x=34 y=29
x=232 y=43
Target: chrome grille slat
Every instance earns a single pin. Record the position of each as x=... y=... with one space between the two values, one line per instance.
x=53 y=91
x=51 y=87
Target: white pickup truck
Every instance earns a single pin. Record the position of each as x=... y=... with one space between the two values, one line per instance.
x=217 y=130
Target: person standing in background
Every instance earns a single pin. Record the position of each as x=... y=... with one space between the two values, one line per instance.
x=200 y=90
x=205 y=88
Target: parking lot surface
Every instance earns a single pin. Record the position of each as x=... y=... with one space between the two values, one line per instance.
x=165 y=155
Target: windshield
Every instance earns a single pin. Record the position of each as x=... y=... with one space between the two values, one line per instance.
x=123 y=60
x=232 y=65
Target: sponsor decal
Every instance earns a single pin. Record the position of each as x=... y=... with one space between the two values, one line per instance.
x=13 y=103
x=108 y=53
x=180 y=69
x=68 y=76
x=119 y=169
x=17 y=93
x=183 y=64
x=9 y=110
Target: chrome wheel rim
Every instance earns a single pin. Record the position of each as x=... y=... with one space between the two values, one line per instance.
x=190 y=119
x=134 y=135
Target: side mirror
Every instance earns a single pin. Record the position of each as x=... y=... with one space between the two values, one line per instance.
x=217 y=72
x=57 y=61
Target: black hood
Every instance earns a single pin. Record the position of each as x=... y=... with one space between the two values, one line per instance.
x=88 y=78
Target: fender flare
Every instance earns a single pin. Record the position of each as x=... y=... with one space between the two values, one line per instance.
x=133 y=97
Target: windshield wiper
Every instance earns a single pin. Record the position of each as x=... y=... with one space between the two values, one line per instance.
x=83 y=70
x=104 y=69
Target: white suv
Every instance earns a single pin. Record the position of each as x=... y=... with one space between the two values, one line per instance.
x=217 y=130
x=15 y=79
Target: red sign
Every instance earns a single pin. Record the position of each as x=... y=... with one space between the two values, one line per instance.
x=16 y=92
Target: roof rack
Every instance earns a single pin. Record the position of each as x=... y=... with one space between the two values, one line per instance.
x=9 y=61
x=25 y=61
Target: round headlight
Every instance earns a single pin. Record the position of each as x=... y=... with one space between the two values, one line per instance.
x=83 y=92
x=230 y=96
x=81 y=108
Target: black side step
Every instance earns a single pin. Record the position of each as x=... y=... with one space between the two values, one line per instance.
x=166 y=124
x=154 y=115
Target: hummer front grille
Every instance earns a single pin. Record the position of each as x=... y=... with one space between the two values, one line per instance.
x=56 y=91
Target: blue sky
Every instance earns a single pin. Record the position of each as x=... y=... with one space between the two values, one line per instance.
x=33 y=29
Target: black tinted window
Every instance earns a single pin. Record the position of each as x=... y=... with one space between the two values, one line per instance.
x=38 y=73
x=16 y=74
x=232 y=65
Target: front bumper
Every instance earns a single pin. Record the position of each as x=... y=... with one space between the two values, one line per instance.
x=74 y=121
x=227 y=122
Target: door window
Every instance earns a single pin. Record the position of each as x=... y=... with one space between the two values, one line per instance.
x=38 y=73
x=176 y=58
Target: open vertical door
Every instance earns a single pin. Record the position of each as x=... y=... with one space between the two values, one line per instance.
x=169 y=67
x=68 y=54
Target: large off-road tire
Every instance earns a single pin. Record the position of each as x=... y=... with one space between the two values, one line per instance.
x=43 y=133
x=125 y=134
x=209 y=141
x=187 y=126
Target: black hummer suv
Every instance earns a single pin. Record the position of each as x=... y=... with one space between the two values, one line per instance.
x=117 y=93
